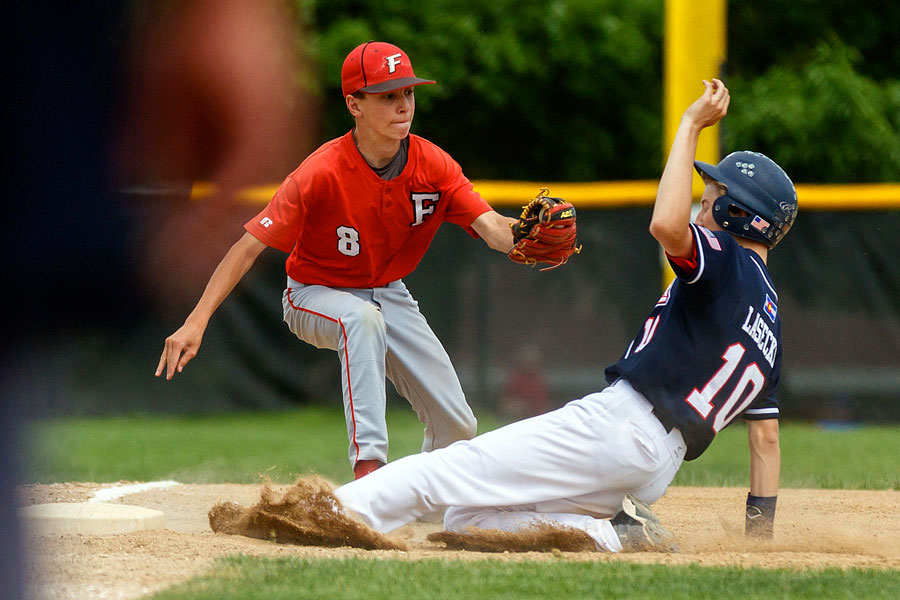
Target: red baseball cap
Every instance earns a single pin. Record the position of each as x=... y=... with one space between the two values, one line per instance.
x=376 y=68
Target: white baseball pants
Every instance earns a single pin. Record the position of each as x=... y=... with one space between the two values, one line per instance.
x=572 y=466
x=380 y=332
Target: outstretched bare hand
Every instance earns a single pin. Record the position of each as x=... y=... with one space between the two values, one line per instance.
x=709 y=108
x=180 y=348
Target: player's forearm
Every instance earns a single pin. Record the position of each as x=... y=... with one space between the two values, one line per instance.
x=232 y=268
x=495 y=230
x=765 y=465
x=672 y=210
x=764 y=476
x=765 y=457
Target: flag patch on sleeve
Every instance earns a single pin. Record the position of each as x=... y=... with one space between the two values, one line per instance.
x=713 y=242
x=771 y=309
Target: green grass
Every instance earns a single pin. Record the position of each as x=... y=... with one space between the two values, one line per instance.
x=248 y=578
x=865 y=457
x=235 y=448
x=239 y=448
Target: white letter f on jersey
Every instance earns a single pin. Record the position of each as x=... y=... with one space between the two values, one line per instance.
x=423 y=204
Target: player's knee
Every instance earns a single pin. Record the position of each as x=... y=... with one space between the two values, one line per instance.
x=465 y=427
x=471 y=428
x=451 y=428
x=365 y=320
x=457 y=518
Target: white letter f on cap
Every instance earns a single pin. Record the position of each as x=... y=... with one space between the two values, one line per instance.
x=393 y=60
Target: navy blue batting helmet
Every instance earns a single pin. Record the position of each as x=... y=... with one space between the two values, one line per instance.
x=759 y=187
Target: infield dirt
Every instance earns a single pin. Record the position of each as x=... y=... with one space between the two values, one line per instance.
x=814 y=529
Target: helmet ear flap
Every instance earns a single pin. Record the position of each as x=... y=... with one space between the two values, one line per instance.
x=720 y=211
x=748 y=225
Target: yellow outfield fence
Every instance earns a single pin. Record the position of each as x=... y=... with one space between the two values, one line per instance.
x=612 y=194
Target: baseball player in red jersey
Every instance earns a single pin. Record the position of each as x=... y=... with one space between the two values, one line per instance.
x=356 y=217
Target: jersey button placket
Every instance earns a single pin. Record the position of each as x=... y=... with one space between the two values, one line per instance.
x=387 y=201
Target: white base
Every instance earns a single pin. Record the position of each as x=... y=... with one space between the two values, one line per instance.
x=94 y=518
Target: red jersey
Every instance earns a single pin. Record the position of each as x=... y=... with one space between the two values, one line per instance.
x=344 y=226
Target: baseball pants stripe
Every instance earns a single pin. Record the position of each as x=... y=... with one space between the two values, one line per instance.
x=339 y=321
x=346 y=362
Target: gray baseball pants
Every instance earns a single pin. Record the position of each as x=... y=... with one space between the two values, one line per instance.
x=378 y=333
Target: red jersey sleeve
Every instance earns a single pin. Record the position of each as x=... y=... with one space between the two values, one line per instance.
x=280 y=223
x=686 y=266
x=466 y=204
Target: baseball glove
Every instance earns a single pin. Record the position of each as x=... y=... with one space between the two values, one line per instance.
x=545 y=232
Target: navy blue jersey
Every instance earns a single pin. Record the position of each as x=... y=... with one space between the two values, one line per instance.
x=711 y=348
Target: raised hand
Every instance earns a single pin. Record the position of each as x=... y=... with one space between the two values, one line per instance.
x=709 y=108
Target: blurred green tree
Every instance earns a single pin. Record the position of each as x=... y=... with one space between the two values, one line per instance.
x=571 y=89
x=764 y=33
x=823 y=119
x=527 y=89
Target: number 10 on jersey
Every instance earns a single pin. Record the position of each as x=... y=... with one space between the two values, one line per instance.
x=740 y=398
